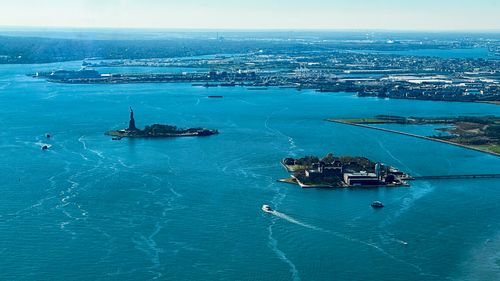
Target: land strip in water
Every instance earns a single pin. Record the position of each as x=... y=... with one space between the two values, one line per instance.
x=475 y=133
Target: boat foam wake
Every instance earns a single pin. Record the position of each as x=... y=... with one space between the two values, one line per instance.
x=295 y=221
x=343 y=236
x=273 y=243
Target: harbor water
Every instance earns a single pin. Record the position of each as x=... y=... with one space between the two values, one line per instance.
x=90 y=208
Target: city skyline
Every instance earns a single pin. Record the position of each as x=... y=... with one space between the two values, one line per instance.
x=444 y=15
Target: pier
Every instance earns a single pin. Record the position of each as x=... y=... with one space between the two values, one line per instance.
x=459 y=177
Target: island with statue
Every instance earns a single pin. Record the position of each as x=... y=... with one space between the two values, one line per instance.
x=158 y=131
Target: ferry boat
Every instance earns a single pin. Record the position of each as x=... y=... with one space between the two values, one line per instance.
x=377 y=204
x=267 y=208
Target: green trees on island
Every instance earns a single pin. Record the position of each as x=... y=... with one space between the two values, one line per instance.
x=157 y=129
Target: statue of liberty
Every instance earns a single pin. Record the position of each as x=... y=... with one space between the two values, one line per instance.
x=131 y=123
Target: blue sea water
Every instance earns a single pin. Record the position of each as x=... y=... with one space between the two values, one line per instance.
x=91 y=208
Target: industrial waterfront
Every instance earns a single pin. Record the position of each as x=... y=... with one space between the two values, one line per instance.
x=365 y=74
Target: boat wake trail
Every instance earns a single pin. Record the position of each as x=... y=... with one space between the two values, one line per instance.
x=292 y=147
x=85 y=147
x=394 y=157
x=297 y=222
x=41 y=144
x=343 y=236
x=483 y=261
x=408 y=200
x=149 y=247
x=273 y=243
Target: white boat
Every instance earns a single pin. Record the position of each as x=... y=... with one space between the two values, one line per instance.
x=377 y=204
x=267 y=208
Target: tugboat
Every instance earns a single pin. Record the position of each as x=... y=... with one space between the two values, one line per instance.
x=267 y=209
x=377 y=204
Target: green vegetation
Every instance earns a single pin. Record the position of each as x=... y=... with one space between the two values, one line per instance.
x=492 y=131
x=488 y=147
x=15 y=49
x=356 y=164
x=156 y=129
x=319 y=181
x=477 y=132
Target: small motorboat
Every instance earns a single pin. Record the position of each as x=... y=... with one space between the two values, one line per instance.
x=267 y=208
x=116 y=138
x=47 y=136
x=377 y=204
x=45 y=147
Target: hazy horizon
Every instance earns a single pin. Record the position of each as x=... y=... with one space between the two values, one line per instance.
x=256 y=15
x=263 y=30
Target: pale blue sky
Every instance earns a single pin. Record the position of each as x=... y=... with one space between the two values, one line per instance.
x=255 y=14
